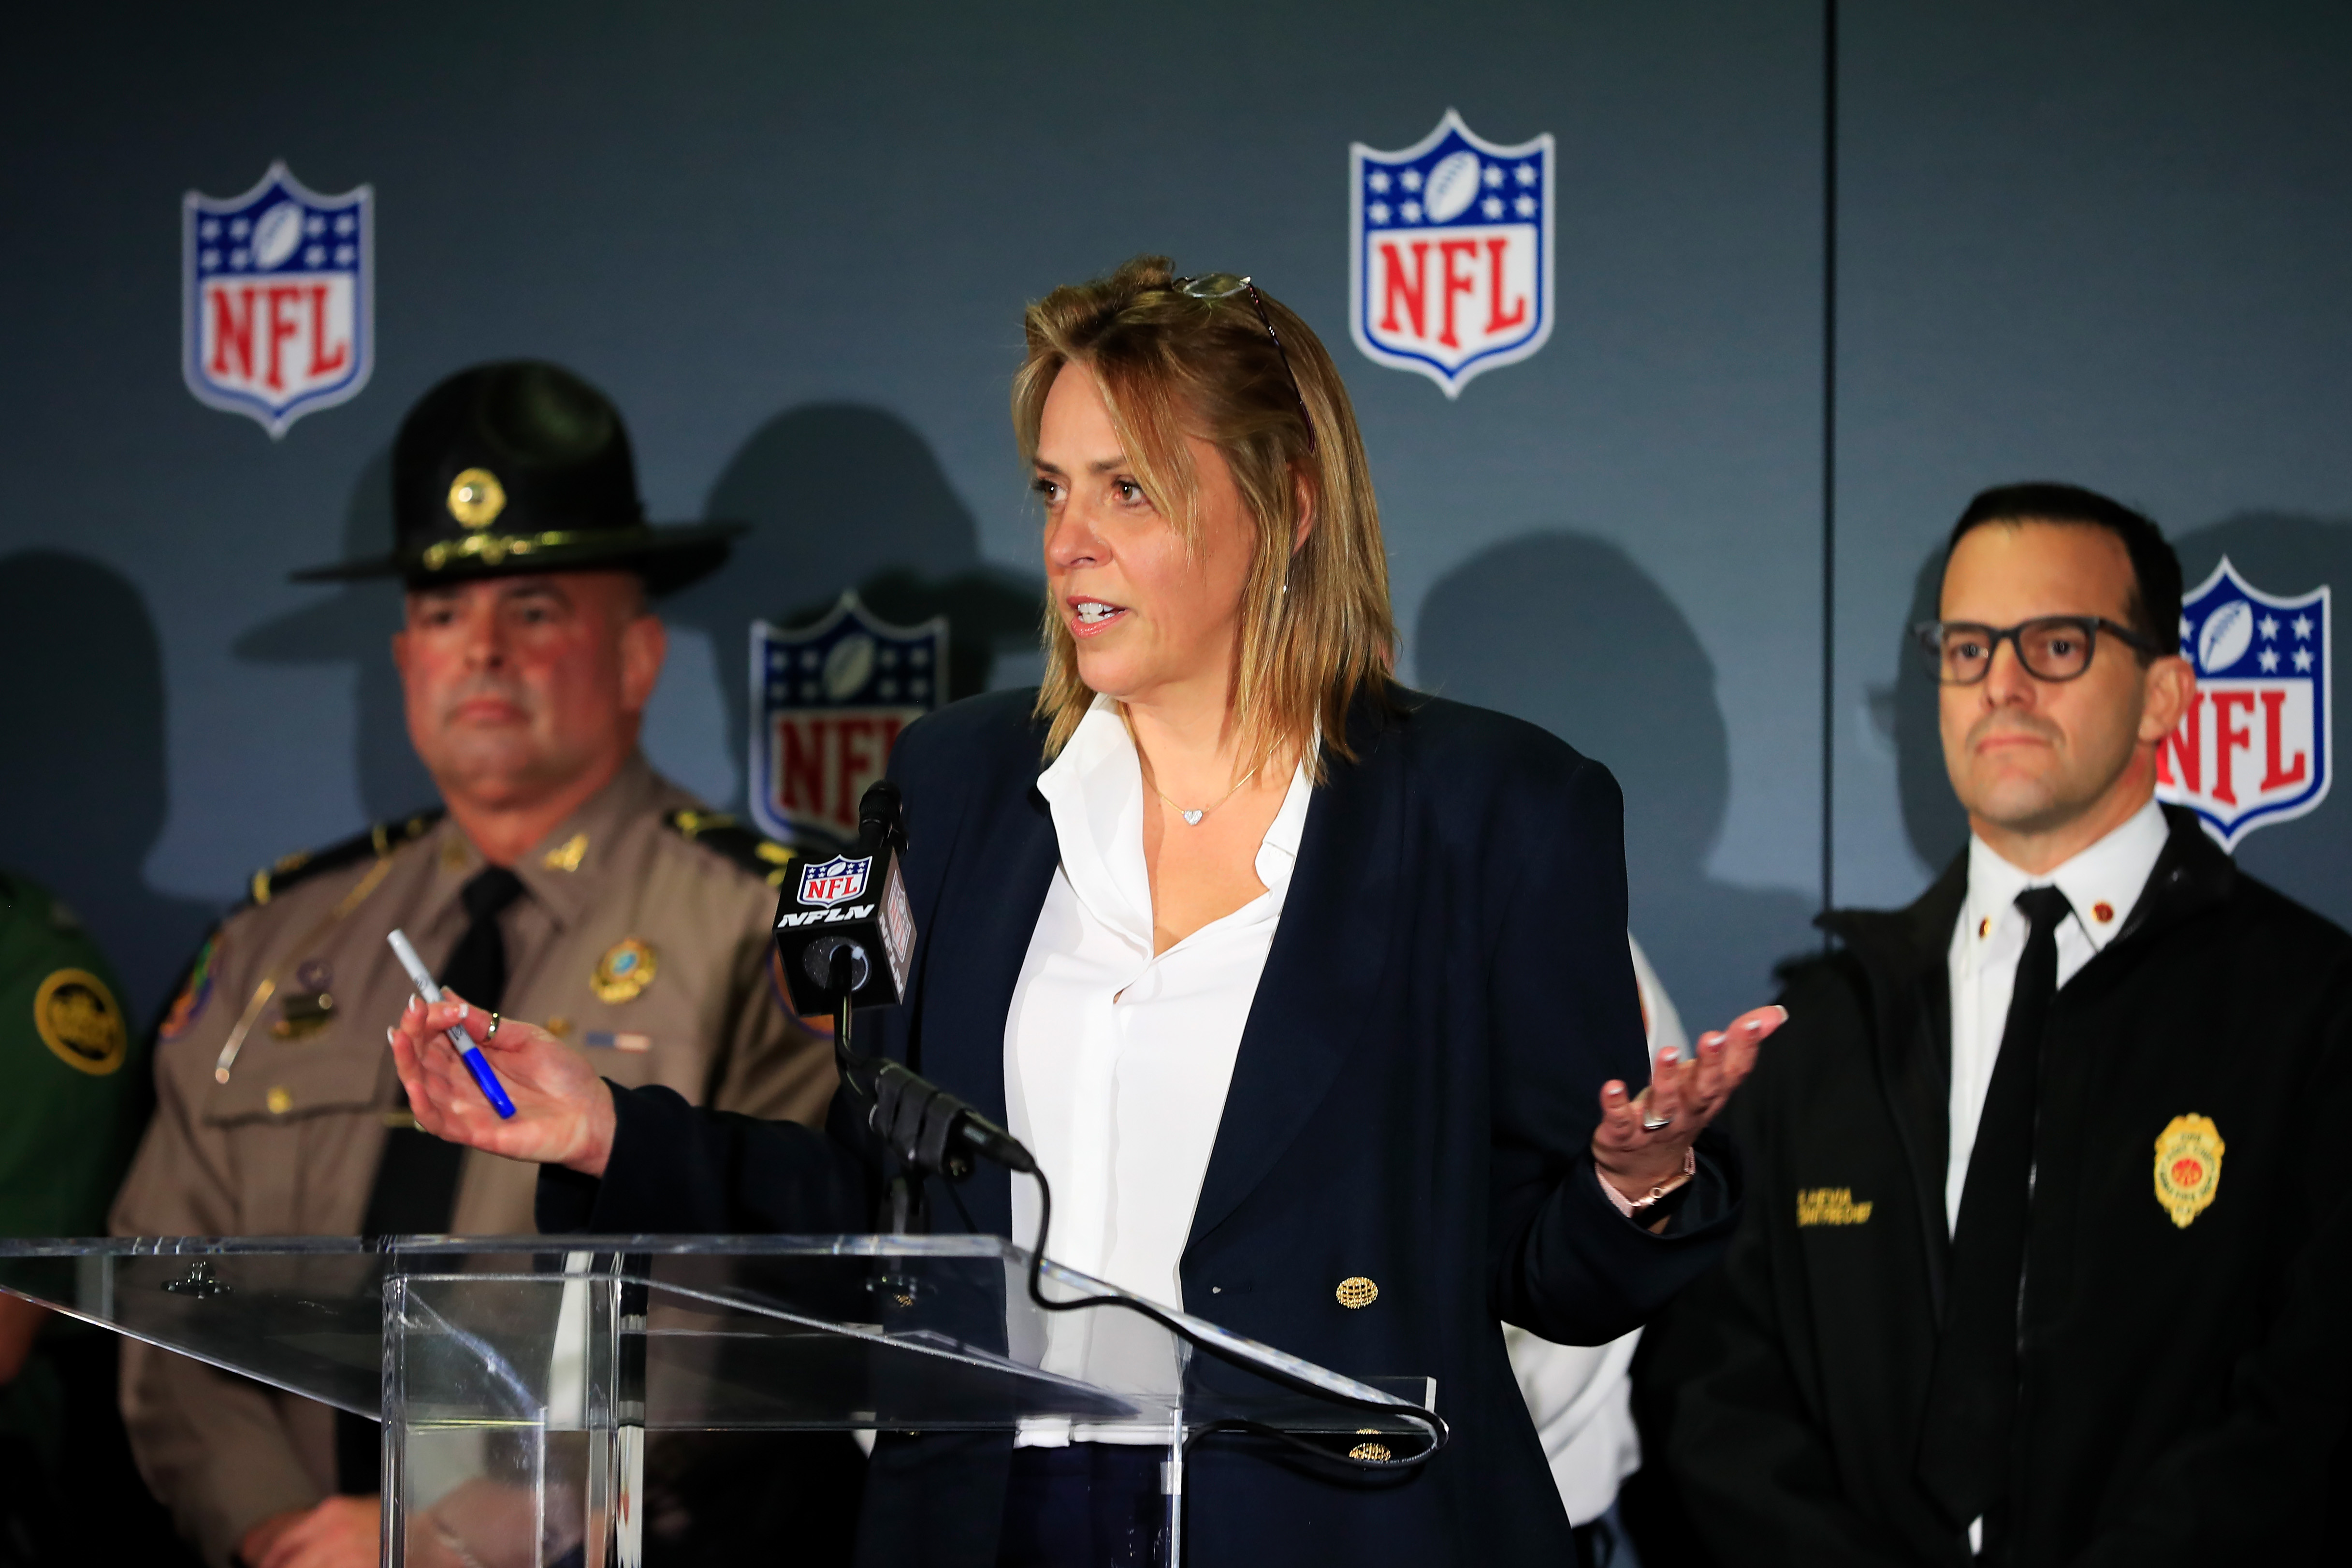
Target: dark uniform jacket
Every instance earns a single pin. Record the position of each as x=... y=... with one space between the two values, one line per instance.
x=2184 y=1381
x=1411 y=1105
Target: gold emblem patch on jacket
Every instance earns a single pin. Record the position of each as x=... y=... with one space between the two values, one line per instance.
x=80 y=1022
x=1829 y=1205
x=2188 y=1166
x=625 y=971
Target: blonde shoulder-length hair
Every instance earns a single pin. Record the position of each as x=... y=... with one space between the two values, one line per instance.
x=1316 y=626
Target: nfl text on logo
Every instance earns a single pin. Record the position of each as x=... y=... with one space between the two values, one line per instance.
x=277 y=297
x=1449 y=270
x=2256 y=745
x=827 y=702
x=834 y=881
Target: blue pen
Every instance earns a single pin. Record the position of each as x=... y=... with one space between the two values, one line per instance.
x=470 y=1053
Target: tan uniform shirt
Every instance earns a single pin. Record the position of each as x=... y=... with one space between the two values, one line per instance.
x=647 y=950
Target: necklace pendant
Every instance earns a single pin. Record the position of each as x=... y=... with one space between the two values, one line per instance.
x=1193 y=818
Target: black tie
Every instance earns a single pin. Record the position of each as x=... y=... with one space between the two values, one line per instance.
x=1964 y=1449
x=416 y=1190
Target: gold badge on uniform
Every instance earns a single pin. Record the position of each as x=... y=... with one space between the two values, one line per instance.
x=2188 y=1166
x=80 y=1022
x=476 y=498
x=565 y=857
x=626 y=970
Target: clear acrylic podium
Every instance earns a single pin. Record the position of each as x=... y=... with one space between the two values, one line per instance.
x=518 y=1379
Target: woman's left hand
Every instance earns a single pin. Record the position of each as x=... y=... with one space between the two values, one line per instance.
x=1642 y=1138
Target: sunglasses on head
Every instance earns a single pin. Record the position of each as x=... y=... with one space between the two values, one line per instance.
x=1224 y=286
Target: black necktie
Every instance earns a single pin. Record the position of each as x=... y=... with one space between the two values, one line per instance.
x=416 y=1190
x=1964 y=1448
x=415 y=1187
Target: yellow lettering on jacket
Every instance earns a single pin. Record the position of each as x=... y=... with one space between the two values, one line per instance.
x=1829 y=1205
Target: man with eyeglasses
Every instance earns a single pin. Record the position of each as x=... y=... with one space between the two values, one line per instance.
x=2049 y=1239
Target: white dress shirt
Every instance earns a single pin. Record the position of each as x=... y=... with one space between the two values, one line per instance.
x=1116 y=1059
x=2103 y=883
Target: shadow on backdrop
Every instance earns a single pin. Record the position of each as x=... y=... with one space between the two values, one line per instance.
x=352 y=624
x=1906 y=713
x=841 y=496
x=85 y=793
x=1564 y=630
x=2309 y=859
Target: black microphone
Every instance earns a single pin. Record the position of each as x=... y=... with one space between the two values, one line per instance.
x=929 y=1128
x=856 y=904
x=845 y=936
x=882 y=814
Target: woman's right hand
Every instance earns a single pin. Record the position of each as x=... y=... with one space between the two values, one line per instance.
x=563 y=1110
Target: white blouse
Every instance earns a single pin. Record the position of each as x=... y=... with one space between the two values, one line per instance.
x=1116 y=1059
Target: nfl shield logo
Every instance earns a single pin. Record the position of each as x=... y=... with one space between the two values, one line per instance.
x=834 y=881
x=828 y=702
x=1450 y=270
x=2254 y=748
x=277 y=299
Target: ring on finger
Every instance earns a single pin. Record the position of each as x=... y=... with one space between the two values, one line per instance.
x=1651 y=1125
x=494 y=1026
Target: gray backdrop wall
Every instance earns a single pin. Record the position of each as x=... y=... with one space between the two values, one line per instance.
x=2105 y=241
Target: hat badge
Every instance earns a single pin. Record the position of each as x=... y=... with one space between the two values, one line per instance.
x=476 y=498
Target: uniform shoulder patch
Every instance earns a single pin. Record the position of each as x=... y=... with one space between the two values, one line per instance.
x=302 y=865
x=717 y=831
x=196 y=990
x=81 y=1022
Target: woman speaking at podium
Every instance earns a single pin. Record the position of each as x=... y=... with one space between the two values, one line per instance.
x=1310 y=994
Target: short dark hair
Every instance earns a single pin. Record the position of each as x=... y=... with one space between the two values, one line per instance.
x=2153 y=608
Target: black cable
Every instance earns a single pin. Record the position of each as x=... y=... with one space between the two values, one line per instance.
x=1439 y=1432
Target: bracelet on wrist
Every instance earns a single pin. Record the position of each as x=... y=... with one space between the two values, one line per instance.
x=1653 y=1204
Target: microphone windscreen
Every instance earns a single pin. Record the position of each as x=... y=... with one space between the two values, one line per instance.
x=881 y=815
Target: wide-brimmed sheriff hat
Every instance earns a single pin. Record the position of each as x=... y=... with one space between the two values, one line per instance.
x=517 y=467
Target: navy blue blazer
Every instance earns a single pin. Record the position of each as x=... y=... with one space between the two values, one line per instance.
x=1413 y=1101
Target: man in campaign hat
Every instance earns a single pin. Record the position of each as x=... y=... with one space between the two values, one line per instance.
x=561 y=880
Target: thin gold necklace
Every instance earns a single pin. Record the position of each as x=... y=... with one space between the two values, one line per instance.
x=1192 y=816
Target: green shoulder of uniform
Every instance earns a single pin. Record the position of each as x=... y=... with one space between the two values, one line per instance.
x=53 y=977
x=30 y=913
x=722 y=835
x=300 y=866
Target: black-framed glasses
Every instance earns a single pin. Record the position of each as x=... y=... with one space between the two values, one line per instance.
x=1224 y=286
x=2051 y=647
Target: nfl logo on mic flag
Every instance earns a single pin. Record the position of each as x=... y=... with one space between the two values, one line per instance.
x=2255 y=746
x=278 y=298
x=1449 y=270
x=834 y=881
x=827 y=703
